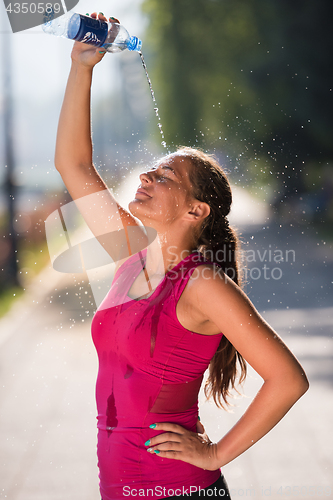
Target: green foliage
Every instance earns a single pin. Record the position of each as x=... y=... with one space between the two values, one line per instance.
x=33 y=257
x=7 y=297
x=192 y=49
x=253 y=78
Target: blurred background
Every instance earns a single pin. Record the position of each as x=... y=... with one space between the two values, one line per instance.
x=249 y=81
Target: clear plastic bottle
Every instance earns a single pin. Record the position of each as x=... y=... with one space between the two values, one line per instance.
x=112 y=37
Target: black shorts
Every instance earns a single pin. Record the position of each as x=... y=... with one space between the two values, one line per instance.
x=219 y=489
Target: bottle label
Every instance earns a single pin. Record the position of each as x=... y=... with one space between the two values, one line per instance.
x=92 y=31
x=91 y=38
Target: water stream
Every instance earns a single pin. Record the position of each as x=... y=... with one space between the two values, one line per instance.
x=159 y=124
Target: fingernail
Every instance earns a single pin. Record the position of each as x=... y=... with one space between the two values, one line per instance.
x=147 y=443
x=153 y=426
x=113 y=18
x=101 y=13
x=87 y=13
x=198 y=418
x=149 y=449
x=101 y=51
x=156 y=451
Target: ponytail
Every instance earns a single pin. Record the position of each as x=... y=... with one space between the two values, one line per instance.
x=217 y=242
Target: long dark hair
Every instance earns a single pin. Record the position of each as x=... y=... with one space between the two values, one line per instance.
x=218 y=242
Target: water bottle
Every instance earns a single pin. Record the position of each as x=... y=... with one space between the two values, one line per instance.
x=112 y=37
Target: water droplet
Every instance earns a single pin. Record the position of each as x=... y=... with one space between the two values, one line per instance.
x=153 y=98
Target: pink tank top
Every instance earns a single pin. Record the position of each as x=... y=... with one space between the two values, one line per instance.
x=150 y=370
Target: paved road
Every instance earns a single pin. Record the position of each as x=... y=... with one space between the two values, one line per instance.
x=295 y=460
x=48 y=368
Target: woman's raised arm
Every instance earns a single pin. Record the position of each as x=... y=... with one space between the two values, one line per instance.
x=74 y=154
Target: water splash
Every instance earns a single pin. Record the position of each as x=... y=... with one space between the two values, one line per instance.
x=159 y=124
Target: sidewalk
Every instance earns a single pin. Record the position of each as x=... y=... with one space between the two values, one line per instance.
x=47 y=417
x=48 y=369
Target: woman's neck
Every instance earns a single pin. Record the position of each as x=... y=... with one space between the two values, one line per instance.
x=163 y=254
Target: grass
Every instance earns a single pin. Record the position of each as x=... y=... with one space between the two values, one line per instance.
x=32 y=259
x=7 y=298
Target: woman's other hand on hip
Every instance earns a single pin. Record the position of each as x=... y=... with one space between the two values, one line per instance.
x=178 y=443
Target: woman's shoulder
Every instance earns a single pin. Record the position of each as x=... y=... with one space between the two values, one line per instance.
x=204 y=269
x=209 y=282
x=215 y=298
x=201 y=286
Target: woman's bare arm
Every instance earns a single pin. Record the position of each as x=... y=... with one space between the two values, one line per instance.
x=221 y=302
x=224 y=304
x=74 y=154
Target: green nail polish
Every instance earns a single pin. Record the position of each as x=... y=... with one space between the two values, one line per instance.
x=87 y=13
x=152 y=426
x=101 y=51
x=198 y=418
x=156 y=451
x=147 y=443
x=101 y=13
x=113 y=18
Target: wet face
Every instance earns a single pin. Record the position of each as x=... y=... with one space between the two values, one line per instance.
x=164 y=195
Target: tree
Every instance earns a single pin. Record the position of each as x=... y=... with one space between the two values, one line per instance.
x=253 y=78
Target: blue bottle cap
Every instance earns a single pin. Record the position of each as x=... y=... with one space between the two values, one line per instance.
x=134 y=43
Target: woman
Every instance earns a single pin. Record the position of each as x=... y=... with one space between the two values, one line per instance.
x=160 y=326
